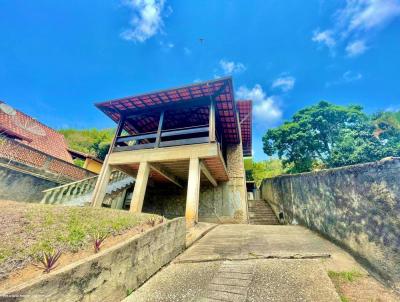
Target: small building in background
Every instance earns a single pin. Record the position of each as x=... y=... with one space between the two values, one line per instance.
x=89 y=162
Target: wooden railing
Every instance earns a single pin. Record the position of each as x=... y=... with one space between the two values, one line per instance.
x=168 y=138
x=67 y=192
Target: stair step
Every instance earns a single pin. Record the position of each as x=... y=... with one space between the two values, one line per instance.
x=261 y=213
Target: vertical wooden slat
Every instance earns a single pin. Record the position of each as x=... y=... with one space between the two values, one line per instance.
x=212 y=121
x=160 y=124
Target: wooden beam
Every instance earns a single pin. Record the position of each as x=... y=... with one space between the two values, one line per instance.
x=212 y=121
x=117 y=133
x=207 y=174
x=206 y=150
x=168 y=175
x=160 y=124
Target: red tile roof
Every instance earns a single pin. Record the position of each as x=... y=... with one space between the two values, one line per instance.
x=32 y=133
x=245 y=118
x=220 y=89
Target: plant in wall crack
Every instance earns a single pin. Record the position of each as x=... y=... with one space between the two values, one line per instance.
x=49 y=260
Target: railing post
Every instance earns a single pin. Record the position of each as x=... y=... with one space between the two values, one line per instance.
x=159 y=130
x=212 y=121
x=118 y=132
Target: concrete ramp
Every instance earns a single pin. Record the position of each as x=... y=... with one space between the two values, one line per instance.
x=243 y=242
x=237 y=263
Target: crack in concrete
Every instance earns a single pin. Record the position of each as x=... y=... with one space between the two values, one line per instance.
x=255 y=257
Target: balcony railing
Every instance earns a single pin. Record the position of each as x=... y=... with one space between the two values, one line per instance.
x=167 y=138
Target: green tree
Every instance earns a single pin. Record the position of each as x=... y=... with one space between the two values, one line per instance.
x=327 y=135
x=266 y=169
x=92 y=141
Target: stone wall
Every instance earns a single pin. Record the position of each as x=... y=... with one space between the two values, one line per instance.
x=226 y=203
x=22 y=185
x=357 y=207
x=111 y=274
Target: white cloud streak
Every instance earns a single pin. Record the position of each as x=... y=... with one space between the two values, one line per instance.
x=355 y=23
x=285 y=83
x=231 y=67
x=324 y=37
x=146 y=20
x=356 y=48
x=265 y=109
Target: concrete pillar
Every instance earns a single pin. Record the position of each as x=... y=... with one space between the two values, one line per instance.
x=100 y=189
x=139 y=190
x=193 y=193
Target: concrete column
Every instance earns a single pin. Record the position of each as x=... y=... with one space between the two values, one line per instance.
x=193 y=193
x=139 y=190
x=100 y=189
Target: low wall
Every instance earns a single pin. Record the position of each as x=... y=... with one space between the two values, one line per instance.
x=357 y=207
x=22 y=186
x=111 y=274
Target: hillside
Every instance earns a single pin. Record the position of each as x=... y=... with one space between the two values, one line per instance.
x=92 y=141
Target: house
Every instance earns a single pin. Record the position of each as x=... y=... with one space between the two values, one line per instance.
x=33 y=157
x=26 y=130
x=90 y=162
x=185 y=147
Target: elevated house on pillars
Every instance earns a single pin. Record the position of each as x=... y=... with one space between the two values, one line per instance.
x=185 y=147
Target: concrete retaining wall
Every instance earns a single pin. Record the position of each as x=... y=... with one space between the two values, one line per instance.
x=356 y=206
x=111 y=274
x=23 y=186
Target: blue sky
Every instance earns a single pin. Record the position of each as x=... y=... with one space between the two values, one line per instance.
x=59 y=57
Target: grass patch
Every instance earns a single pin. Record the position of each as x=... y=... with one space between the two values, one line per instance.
x=31 y=229
x=339 y=278
x=345 y=276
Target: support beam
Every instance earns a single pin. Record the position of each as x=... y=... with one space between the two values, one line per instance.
x=139 y=190
x=193 y=193
x=100 y=189
x=212 y=121
x=160 y=124
x=159 y=169
x=118 y=132
x=207 y=174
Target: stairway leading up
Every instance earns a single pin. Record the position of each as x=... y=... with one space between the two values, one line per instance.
x=261 y=212
x=80 y=192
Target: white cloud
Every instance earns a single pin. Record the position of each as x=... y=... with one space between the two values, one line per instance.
x=364 y=15
x=347 y=77
x=285 y=83
x=351 y=76
x=230 y=67
x=356 y=48
x=146 y=19
x=324 y=37
x=265 y=109
x=187 y=51
x=356 y=22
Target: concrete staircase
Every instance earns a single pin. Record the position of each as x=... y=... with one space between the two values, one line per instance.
x=260 y=212
x=80 y=192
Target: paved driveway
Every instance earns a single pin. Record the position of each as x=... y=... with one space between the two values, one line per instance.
x=248 y=263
